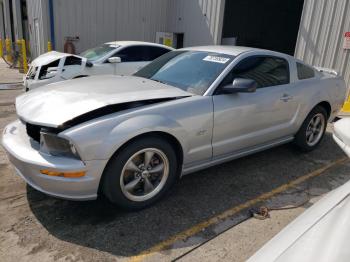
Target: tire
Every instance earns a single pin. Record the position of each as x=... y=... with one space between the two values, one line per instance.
x=309 y=130
x=120 y=172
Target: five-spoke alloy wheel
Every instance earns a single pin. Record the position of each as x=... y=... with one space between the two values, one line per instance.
x=144 y=174
x=312 y=130
x=140 y=173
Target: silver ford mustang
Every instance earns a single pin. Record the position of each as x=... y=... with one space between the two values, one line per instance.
x=131 y=137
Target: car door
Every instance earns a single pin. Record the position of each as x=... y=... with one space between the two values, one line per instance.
x=72 y=67
x=247 y=120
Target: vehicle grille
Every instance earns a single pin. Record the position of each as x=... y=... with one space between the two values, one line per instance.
x=33 y=131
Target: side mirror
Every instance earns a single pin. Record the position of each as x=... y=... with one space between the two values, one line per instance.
x=89 y=64
x=240 y=85
x=114 y=60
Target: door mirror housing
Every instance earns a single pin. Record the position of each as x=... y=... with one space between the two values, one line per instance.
x=240 y=85
x=114 y=60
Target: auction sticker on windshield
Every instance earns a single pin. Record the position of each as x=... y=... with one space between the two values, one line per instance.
x=216 y=59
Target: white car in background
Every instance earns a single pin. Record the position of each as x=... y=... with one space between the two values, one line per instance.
x=118 y=57
x=341 y=134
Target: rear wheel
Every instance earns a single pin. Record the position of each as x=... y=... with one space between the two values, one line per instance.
x=312 y=130
x=140 y=173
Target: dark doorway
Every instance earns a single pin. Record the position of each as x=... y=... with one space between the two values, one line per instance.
x=268 y=24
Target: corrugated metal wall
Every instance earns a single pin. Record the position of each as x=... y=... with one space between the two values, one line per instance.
x=7 y=19
x=17 y=19
x=38 y=13
x=100 y=21
x=321 y=35
x=96 y=22
x=2 y=24
x=200 y=20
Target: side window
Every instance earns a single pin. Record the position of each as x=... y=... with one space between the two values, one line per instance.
x=72 y=60
x=49 y=70
x=133 y=54
x=305 y=72
x=265 y=70
x=155 y=52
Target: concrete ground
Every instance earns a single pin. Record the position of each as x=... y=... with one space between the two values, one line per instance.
x=199 y=220
x=9 y=75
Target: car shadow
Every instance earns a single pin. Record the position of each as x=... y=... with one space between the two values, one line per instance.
x=195 y=198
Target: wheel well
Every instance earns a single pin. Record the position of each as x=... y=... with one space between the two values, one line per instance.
x=327 y=106
x=166 y=136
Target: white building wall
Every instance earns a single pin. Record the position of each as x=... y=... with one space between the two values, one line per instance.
x=17 y=19
x=321 y=35
x=7 y=19
x=96 y=22
x=2 y=25
x=200 y=20
x=38 y=13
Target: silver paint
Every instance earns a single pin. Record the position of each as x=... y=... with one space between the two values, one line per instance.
x=235 y=125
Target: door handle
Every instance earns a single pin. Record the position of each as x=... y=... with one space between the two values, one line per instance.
x=286 y=98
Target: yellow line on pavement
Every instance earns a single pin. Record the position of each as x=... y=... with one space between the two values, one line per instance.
x=232 y=211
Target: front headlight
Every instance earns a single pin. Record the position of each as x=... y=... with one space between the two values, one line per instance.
x=57 y=146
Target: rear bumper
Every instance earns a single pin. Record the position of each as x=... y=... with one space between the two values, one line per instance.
x=24 y=154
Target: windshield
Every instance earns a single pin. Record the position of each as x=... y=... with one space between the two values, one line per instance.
x=192 y=71
x=96 y=53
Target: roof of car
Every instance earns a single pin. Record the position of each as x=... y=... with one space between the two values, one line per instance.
x=129 y=43
x=229 y=50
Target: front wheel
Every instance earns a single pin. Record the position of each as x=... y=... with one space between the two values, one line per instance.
x=140 y=173
x=312 y=130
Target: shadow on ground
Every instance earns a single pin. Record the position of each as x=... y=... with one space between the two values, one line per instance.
x=197 y=197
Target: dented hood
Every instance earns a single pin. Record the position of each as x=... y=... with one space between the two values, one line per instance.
x=57 y=103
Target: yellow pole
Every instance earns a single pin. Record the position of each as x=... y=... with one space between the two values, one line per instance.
x=1 y=48
x=19 y=61
x=346 y=106
x=8 y=50
x=49 y=46
x=24 y=56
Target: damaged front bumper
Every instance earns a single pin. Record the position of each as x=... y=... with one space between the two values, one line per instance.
x=24 y=154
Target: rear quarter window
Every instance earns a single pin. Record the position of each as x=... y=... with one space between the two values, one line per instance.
x=305 y=72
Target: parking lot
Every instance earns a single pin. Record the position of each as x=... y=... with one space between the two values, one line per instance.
x=204 y=218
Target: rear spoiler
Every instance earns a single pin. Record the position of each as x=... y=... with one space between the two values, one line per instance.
x=327 y=70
